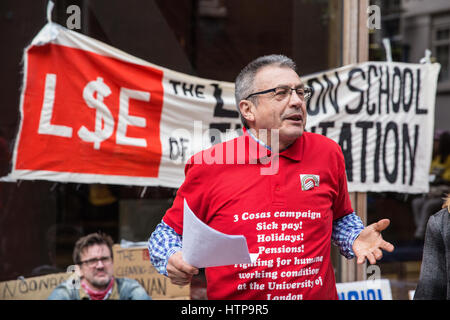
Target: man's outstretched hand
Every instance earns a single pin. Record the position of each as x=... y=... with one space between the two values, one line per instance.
x=369 y=243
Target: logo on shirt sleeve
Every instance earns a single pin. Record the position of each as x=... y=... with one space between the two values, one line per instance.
x=309 y=181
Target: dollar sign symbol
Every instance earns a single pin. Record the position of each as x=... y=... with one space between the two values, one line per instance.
x=104 y=122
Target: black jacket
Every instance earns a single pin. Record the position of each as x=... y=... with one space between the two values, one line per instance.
x=434 y=282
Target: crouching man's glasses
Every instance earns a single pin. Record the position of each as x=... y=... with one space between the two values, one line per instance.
x=93 y=262
x=283 y=92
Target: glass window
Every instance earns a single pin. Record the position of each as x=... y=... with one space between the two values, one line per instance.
x=441 y=45
x=443 y=34
x=442 y=56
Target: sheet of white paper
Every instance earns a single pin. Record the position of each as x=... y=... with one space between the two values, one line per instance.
x=204 y=246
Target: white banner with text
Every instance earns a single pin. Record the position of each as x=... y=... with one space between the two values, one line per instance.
x=91 y=113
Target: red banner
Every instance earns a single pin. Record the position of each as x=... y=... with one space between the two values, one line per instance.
x=108 y=115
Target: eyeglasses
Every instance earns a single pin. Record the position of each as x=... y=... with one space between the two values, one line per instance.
x=282 y=92
x=93 y=262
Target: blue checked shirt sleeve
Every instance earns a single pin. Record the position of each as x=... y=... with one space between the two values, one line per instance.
x=163 y=243
x=345 y=231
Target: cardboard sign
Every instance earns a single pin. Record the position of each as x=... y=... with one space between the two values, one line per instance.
x=36 y=288
x=135 y=263
x=365 y=290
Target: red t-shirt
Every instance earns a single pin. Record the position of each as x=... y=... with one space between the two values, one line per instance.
x=286 y=217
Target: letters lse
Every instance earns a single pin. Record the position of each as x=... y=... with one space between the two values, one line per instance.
x=96 y=112
x=93 y=94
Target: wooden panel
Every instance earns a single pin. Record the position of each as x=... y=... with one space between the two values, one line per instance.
x=355 y=48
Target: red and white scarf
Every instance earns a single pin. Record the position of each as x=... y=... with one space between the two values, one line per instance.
x=98 y=295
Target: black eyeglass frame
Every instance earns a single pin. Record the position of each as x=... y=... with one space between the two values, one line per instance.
x=94 y=261
x=307 y=91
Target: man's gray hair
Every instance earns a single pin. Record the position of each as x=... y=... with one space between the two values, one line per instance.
x=245 y=79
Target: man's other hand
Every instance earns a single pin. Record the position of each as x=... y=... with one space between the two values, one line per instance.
x=369 y=243
x=180 y=272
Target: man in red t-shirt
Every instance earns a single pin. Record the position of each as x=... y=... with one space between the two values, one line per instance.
x=280 y=187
